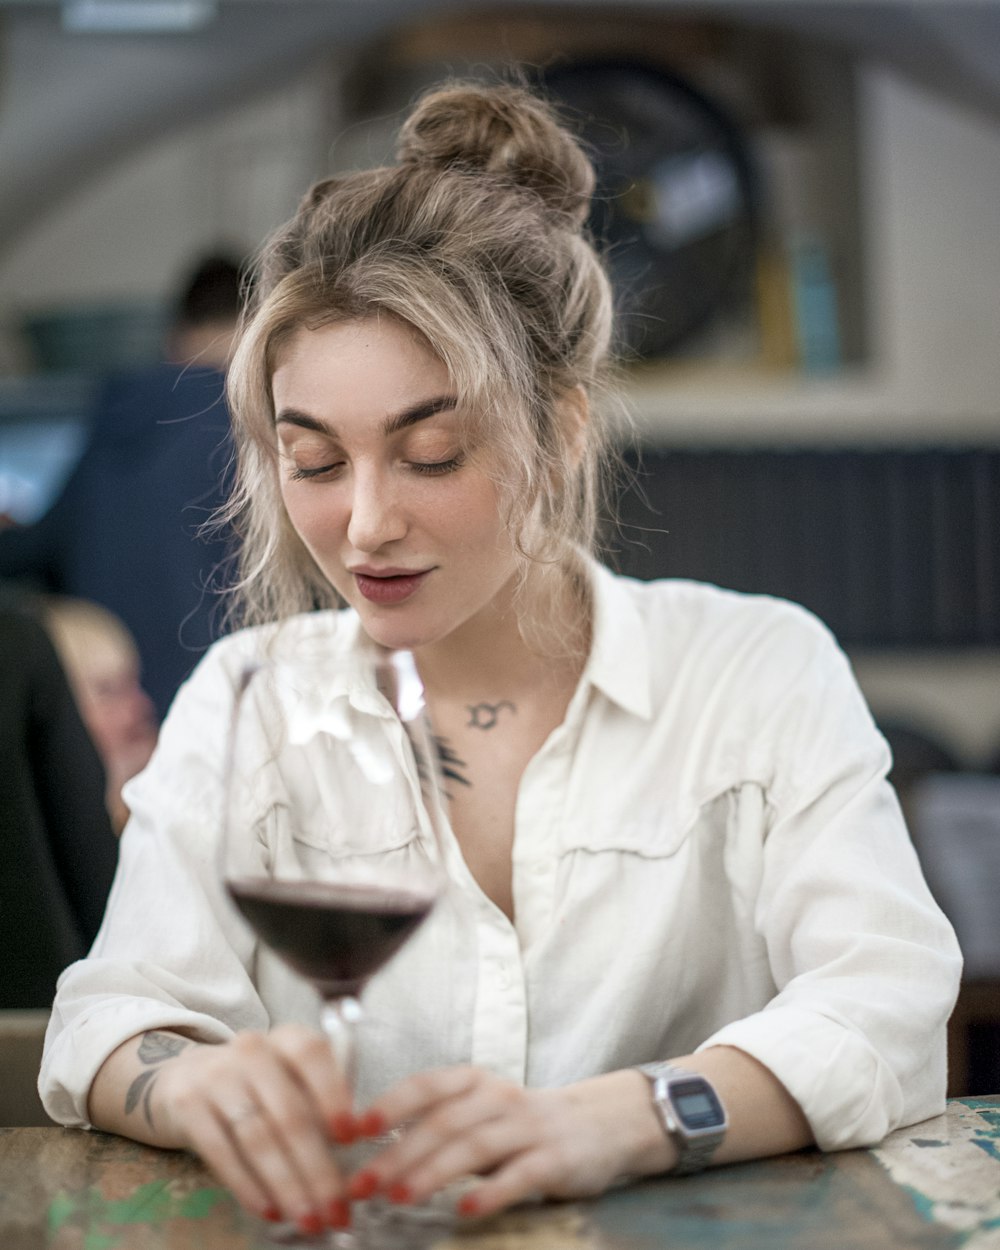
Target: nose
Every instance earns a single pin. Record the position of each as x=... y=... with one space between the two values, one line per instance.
x=376 y=515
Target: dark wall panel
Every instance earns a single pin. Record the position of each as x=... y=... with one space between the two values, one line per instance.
x=890 y=548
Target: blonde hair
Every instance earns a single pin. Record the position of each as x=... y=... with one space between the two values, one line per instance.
x=90 y=640
x=476 y=240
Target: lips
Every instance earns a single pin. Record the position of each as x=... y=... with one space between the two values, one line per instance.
x=388 y=587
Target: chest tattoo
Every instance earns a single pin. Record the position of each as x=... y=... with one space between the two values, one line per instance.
x=486 y=715
x=453 y=768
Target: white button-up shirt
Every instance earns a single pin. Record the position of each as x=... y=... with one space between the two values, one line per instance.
x=706 y=852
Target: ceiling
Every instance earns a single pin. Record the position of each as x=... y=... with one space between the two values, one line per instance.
x=71 y=104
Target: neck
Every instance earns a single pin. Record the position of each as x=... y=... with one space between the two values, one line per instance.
x=496 y=653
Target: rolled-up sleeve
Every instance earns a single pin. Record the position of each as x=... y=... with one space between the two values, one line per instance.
x=171 y=952
x=866 y=965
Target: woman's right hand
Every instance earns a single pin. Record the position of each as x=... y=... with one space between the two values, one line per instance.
x=260 y=1110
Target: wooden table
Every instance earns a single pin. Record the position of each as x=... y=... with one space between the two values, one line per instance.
x=929 y=1187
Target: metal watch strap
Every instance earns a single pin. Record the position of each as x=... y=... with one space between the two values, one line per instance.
x=694 y=1153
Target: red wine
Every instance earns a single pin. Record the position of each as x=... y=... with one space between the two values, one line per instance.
x=336 y=936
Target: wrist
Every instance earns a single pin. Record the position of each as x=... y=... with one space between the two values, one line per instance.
x=161 y=1082
x=690 y=1112
x=652 y=1151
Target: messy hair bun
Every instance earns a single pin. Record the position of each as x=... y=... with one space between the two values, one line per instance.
x=475 y=238
x=504 y=131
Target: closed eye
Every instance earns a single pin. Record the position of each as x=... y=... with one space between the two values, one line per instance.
x=434 y=468
x=299 y=473
x=429 y=468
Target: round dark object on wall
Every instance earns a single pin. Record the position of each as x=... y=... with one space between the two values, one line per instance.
x=675 y=206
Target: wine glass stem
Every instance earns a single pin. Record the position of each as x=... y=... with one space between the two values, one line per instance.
x=338 y=1020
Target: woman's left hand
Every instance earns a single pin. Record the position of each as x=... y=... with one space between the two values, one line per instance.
x=571 y=1142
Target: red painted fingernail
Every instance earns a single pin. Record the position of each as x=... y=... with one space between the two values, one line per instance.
x=399 y=1193
x=363 y=1185
x=339 y=1215
x=468 y=1205
x=272 y=1214
x=371 y=1124
x=343 y=1127
x=310 y=1224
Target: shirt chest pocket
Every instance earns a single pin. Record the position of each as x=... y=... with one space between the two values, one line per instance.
x=653 y=831
x=313 y=814
x=285 y=832
x=713 y=851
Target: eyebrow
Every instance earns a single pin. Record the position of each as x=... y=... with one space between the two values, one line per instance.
x=391 y=425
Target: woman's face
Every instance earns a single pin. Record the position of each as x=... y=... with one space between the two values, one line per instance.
x=381 y=486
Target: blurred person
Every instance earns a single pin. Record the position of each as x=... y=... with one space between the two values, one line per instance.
x=57 y=849
x=126 y=530
x=102 y=663
x=204 y=324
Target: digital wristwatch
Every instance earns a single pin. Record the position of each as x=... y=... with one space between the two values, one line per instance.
x=690 y=1111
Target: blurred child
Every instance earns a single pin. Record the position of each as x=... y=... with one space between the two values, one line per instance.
x=102 y=663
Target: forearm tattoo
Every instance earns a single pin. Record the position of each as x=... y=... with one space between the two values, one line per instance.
x=154 y=1049
x=486 y=715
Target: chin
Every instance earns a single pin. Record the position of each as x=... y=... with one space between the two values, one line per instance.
x=398 y=635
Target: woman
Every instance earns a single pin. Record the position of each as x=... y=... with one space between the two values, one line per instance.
x=680 y=840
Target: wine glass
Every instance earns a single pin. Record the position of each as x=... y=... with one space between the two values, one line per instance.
x=333 y=820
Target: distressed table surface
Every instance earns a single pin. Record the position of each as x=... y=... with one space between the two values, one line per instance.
x=929 y=1187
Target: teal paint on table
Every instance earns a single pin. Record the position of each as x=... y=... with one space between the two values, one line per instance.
x=106 y=1221
x=812 y=1201
x=923 y=1205
x=986 y=1106
x=957 y=1188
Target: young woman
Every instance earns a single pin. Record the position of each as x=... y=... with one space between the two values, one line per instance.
x=679 y=838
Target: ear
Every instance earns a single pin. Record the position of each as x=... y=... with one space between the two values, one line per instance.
x=573 y=414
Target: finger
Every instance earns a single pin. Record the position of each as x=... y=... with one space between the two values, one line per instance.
x=263 y=1153
x=470 y=1132
x=293 y=1125
x=525 y=1178
x=300 y=1134
x=403 y=1105
x=213 y=1144
x=416 y=1095
x=486 y=1147
x=311 y=1058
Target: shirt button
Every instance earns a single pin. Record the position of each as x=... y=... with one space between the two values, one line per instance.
x=503 y=977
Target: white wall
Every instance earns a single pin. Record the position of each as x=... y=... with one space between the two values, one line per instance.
x=226 y=181
x=954 y=696
x=930 y=183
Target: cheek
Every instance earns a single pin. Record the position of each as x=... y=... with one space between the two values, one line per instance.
x=480 y=527
x=312 y=513
x=475 y=511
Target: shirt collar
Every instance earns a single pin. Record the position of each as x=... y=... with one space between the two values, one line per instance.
x=618 y=664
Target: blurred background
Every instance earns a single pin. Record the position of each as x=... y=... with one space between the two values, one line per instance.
x=799 y=202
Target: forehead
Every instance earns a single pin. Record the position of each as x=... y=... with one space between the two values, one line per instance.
x=378 y=357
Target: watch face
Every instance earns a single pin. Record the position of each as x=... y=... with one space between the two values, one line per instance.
x=696 y=1105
